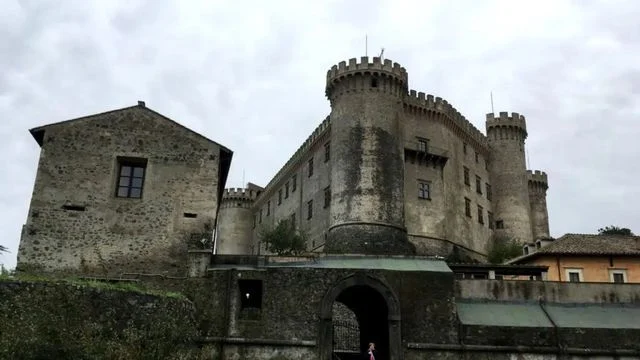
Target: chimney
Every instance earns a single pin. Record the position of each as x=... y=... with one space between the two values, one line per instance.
x=141 y=103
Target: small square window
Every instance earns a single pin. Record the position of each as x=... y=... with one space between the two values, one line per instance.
x=499 y=224
x=574 y=275
x=424 y=190
x=618 y=276
x=423 y=145
x=131 y=175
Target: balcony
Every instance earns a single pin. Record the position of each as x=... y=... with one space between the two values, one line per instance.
x=423 y=152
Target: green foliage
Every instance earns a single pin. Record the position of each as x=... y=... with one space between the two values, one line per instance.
x=504 y=249
x=284 y=239
x=614 y=230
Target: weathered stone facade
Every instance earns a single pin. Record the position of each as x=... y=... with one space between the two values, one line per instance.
x=402 y=164
x=125 y=190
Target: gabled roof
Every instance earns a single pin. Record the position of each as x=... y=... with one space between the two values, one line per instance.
x=587 y=245
x=38 y=132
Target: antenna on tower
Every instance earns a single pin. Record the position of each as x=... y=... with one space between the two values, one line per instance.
x=366 y=44
x=242 y=179
x=492 y=111
x=528 y=159
x=381 y=53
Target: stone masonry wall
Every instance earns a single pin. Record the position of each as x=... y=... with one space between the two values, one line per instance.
x=79 y=166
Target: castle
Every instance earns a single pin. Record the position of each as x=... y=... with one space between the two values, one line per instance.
x=395 y=171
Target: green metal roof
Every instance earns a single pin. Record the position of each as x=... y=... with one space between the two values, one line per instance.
x=605 y=316
x=380 y=263
x=502 y=314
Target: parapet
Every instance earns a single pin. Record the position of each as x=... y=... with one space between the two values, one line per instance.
x=429 y=102
x=234 y=194
x=515 y=120
x=537 y=179
x=386 y=67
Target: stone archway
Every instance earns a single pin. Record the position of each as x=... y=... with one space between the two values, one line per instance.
x=377 y=309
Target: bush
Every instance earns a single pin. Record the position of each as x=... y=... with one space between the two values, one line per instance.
x=504 y=249
x=284 y=239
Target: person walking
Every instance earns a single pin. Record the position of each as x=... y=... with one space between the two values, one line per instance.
x=372 y=354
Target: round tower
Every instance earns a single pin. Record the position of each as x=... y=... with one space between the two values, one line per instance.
x=538 y=185
x=235 y=222
x=506 y=135
x=367 y=176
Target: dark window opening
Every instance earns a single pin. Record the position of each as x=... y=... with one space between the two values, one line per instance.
x=131 y=178
x=574 y=276
x=190 y=215
x=327 y=152
x=327 y=197
x=466 y=176
x=280 y=197
x=423 y=145
x=477 y=158
x=424 y=190
x=286 y=190
x=618 y=278
x=464 y=148
x=499 y=224
x=488 y=190
x=310 y=167
x=309 y=209
x=374 y=82
x=74 y=207
x=294 y=183
x=467 y=207
x=478 y=185
x=480 y=215
x=260 y=216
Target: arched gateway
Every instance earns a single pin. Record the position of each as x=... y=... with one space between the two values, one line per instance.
x=377 y=309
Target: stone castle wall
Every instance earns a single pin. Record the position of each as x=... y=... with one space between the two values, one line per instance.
x=76 y=221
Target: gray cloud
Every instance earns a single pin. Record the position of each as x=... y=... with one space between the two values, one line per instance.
x=251 y=76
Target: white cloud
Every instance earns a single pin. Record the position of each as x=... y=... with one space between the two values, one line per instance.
x=246 y=73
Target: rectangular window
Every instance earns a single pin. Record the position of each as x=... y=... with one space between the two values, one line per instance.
x=327 y=197
x=477 y=157
x=327 y=152
x=488 y=189
x=466 y=176
x=464 y=148
x=286 y=190
x=131 y=174
x=499 y=224
x=618 y=276
x=280 y=197
x=423 y=145
x=294 y=183
x=574 y=275
x=268 y=207
x=424 y=190
x=309 y=209
x=310 y=164
x=478 y=185
x=467 y=207
x=490 y=219
x=480 y=215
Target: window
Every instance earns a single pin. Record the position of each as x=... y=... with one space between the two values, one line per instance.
x=268 y=207
x=423 y=145
x=310 y=167
x=286 y=190
x=374 y=82
x=327 y=197
x=466 y=176
x=480 y=215
x=260 y=216
x=477 y=157
x=488 y=190
x=499 y=224
x=574 y=275
x=327 y=152
x=490 y=219
x=618 y=276
x=280 y=197
x=424 y=190
x=294 y=183
x=464 y=148
x=131 y=178
x=309 y=209
x=467 y=207
x=478 y=185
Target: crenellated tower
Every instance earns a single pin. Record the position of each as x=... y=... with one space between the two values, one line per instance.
x=538 y=185
x=506 y=135
x=367 y=183
x=235 y=221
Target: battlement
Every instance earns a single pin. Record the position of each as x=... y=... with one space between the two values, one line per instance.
x=504 y=119
x=233 y=194
x=317 y=133
x=429 y=102
x=364 y=66
x=538 y=178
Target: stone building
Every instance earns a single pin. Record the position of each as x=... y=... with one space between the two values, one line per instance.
x=124 y=190
x=392 y=170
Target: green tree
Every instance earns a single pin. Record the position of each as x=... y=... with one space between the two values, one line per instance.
x=284 y=239
x=614 y=230
x=504 y=249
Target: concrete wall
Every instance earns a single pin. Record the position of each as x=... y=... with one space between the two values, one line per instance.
x=557 y=292
x=79 y=166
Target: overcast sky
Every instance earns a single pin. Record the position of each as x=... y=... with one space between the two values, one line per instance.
x=250 y=75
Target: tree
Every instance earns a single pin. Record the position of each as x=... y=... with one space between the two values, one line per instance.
x=504 y=249
x=284 y=239
x=614 y=230
x=3 y=249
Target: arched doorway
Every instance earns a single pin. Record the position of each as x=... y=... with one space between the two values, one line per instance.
x=377 y=311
